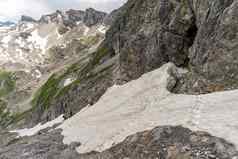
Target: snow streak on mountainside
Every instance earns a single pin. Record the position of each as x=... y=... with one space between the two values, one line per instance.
x=144 y=104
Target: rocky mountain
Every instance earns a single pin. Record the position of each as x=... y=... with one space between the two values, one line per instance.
x=152 y=79
x=25 y=18
x=33 y=50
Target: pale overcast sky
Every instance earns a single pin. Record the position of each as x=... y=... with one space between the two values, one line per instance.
x=13 y=9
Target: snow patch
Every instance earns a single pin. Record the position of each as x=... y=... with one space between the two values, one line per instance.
x=102 y=29
x=6 y=39
x=40 y=42
x=38 y=74
x=37 y=128
x=20 y=54
x=146 y=103
x=87 y=29
x=79 y=22
x=59 y=36
x=30 y=26
x=68 y=81
x=20 y=42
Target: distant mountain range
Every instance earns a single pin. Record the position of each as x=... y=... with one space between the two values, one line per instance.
x=7 y=23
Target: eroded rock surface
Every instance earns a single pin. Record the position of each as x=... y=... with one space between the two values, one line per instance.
x=213 y=57
x=164 y=142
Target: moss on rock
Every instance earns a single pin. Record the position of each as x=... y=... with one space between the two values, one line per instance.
x=46 y=93
x=7 y=83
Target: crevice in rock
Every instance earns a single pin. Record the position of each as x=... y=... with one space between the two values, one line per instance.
x=191 y=34
x=181 y=79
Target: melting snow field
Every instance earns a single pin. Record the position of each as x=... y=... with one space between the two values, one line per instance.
x=144 y=104
x=37 y=128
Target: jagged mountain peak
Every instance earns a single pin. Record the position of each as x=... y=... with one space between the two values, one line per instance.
x=90 y=17
x=25 y=18
x=93 y=17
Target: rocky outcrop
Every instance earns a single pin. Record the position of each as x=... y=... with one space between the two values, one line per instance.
x=198 y=35
x=213 y=58
x=25 y=18
x=44 y=145
x=93 y=17
x=56 y=17
x=110 y=18
x=164 y=142
x=148 y=34
x=75 y=15
x=71 y=17
x=169 y=143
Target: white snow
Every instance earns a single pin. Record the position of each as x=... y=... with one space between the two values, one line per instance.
x=146 y=103
x=79 y=22
x=19 y=54
x=87 y=29
x=102 y=29
x=37 y=128
x=58 y=34
x=38 y=74
x=68 y=81
x=4 y=56
x=40 y=42
x=6 y=39
x=29 y=26
x=20 y=42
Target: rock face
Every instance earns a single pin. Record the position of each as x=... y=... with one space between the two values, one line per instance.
x=148 y=34
x=169 y=143
x=44 y=145
x=75 y=15
x=110 y=18
x=213 y=58
x=71 y=17
x=199 y=35
x=162 y=142
x=93 y=17
x=25 y=18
